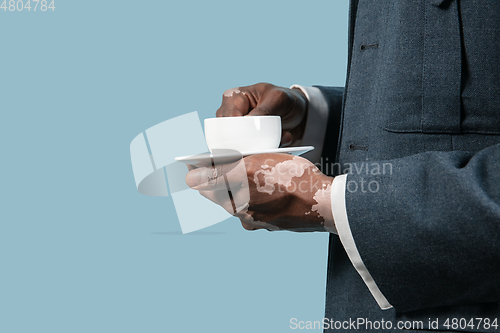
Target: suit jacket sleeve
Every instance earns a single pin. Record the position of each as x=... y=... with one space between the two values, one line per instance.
x=427 y=226
x=334 y=98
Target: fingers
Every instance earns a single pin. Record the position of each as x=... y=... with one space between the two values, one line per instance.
x=230 y=204
x=231 y=176
x=266 y=99
x=220 y=198
x=249 y=226
x=258 y=99
x=233 y=204
x=273 y=101
x=206 y=179
x=235 y=102
x=282 y=102
x=256 y=225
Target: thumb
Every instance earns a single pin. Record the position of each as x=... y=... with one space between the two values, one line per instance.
x=218 y=177
x=205 y=179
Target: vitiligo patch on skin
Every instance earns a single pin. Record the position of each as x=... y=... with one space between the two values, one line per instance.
x=241 y=198
x=323 y=207
x=231 y=92
x=281 y=174
x=291 y=173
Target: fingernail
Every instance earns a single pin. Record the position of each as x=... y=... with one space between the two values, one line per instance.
x=196 y=177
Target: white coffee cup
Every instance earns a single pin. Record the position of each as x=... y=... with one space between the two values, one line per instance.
x=244 y=134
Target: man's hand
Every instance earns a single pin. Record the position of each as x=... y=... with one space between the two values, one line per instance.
x=268 y=191
x=267 y=99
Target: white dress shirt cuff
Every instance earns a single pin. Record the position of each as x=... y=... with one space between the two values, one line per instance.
x=317 y=118
x=344 y=231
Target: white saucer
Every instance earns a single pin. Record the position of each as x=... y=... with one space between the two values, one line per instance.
x=226 y=156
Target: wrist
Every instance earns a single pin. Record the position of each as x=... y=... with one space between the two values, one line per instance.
x=323 y=204
x=314 y=194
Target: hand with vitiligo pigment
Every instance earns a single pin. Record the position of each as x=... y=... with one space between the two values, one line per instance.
x=269 y=191
x=264 y=99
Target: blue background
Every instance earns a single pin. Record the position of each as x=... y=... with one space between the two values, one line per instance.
x=80 y=249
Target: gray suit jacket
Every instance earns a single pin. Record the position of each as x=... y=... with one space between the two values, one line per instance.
x=422 y=94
